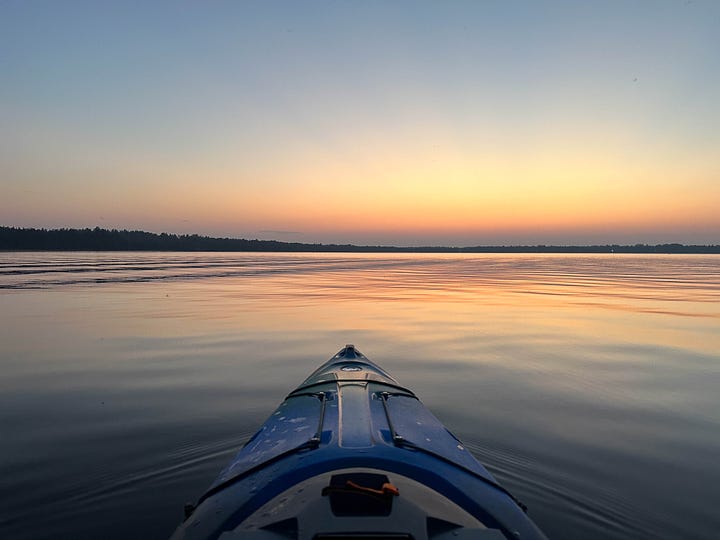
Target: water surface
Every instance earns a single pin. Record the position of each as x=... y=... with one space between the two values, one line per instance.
x=588 y=384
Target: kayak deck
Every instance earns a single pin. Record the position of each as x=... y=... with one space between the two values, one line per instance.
x=344 y=434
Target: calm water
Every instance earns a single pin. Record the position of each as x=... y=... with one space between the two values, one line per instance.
x=589 y=385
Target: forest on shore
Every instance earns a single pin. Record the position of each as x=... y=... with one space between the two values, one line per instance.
x=97 y=239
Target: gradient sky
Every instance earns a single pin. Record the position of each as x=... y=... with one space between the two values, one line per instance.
x=408 y=123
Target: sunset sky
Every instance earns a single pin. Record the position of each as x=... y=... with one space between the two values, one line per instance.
x=406 y=123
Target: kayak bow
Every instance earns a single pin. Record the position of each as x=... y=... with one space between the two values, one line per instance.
x=352 y=454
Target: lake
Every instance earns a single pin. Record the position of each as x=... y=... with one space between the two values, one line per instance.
x=589 y=385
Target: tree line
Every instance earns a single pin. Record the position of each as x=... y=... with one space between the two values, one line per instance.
x=97 y=239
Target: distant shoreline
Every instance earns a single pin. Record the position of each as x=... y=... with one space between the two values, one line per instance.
x=97 y=239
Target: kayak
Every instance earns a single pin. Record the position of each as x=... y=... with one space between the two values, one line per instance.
x=350 y=454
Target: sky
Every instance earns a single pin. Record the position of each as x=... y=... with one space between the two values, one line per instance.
x=407 y=123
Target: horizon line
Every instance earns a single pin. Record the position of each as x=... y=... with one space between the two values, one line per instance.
x=164 y=241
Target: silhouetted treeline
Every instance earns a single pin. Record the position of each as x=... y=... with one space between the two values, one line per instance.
x=97 y=239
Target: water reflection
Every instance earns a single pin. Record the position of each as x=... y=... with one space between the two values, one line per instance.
x=587 y=383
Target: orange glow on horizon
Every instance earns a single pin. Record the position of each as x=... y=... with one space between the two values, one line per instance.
x=416 y=191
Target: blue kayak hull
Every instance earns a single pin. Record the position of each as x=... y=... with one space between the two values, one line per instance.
x=350 y=415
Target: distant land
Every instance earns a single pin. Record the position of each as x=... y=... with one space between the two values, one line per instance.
x=97 y=239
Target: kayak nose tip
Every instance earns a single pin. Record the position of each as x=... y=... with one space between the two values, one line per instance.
x=348 y=352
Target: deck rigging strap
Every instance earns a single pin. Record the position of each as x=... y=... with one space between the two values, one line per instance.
x=387 y=489
x=300 y=390
x=315 y=439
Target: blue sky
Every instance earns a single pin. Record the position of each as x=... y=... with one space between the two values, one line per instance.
x=370 y=122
